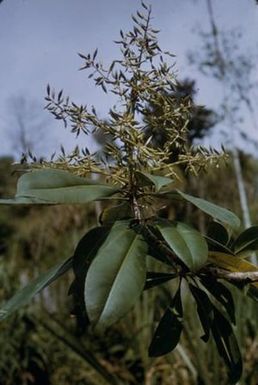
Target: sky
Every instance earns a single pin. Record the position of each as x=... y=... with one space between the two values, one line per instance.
x=40 y=39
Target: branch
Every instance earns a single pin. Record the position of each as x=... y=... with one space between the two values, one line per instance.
x=248 y=276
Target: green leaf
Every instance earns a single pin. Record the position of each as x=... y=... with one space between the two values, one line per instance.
x=116 y=277
x=218 y=233
x=85 y=252
x=23 y=296
x=217 y=212
x=227 y=346
x=155 y=279
x=204 y=310
x=187 y=243
x=50 y=186
x=87 y=248
x=153 y=238
x=168 y=332
x=150 y=179
x=214 y=245
x=222 y=294
x=247 y=240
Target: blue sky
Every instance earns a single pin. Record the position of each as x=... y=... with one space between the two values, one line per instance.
x=40 y=39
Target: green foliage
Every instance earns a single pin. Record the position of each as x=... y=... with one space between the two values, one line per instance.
x=25 y=295
x=187 y=243
x=57 y=187
x=168 y=332
x=110 y=262
x=116 y=276
x=219 y=213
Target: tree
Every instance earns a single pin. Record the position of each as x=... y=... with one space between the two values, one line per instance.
x=232 y=70
x=110 y=261
x=27 y=128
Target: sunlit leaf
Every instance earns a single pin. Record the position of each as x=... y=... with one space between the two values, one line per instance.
x=234 y=264
x=116 y=277
x=23 y=296
x=49 y=186
x=187 y=243
x=217 y=212
x=150 y=179
x=231 y=262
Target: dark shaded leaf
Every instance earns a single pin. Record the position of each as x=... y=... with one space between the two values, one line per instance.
x=227 y=346
x=85 y=252
x=222 y=294
x=218 y=233
x=115 y=213
x=23 y=296
x=204 y=310
x=87 y=249
x=168 y=332
x=253 y=292
x=154 y=279
x=247 y=240
x=216 y=246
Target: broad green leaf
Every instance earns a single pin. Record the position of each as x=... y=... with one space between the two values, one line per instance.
x=153 y=238
x=247 y=240
x=187 y=243
x=156 y=180
x=85 y=252
x=155 y=279
x=222 y=294
x=23 y=296
x=168 y=332
x=227 y=345
x=204 y=310
x=50 y=186
x=116 y=277
x=217 y=212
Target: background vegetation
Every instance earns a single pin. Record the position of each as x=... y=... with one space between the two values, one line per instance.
x=47 y=343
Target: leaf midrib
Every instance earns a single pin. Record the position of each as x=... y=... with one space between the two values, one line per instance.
x=113 y=284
